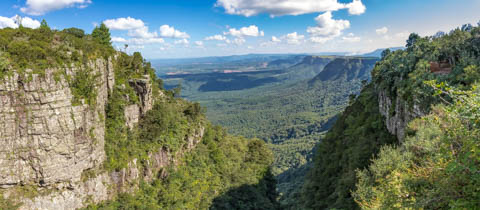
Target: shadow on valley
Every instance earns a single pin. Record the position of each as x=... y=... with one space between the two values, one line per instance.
x=250 y=196
x=234 y=83
x=227 y=81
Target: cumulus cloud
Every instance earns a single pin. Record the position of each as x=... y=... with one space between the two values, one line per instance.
x=142 y=32
x=356 y=7
x=40 y=7
x=382 y=31
x=287 y=7
x=124 y=23
x=245 y=31
x=199 y=43
x=327 y=28
x=351 y=38
x=275 y=39
x=293 y=38
x=170 y=32
x=136 y=27
x=217 y=37
x=11 y=22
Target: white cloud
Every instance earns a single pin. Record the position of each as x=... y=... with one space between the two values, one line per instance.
x=170 y=32
x=118 y=39
x=142 y=32
x=287 y=7
x=27 y=22
x=199 y=43
x=245 y=31
x=182 y=41
x=239 y=41
x=138 y=41
x=124 y=23
x=327 y=28
x=356 y=7
x=275 y=39
x=382 y=31
x=293 y=38
x=217 y=37
x=351 y=38
x=40 y=7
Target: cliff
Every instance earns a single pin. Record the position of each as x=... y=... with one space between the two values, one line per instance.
x=52 y=143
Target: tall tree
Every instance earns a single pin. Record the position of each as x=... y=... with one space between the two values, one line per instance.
x=102 y=35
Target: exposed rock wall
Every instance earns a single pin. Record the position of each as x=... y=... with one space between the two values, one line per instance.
x=52 y=144
x=46 y=139
x=397 y=119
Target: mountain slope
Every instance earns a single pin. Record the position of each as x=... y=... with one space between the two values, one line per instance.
x=414 y=175
x=86 y=125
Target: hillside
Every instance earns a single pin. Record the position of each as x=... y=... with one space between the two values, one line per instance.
x=86 y=126
x=423 y=154
x=292 y=115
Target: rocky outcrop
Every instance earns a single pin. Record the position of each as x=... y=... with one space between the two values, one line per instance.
x=56 y=146
x=132 y=115
x=397 y=113
x=143 y=88
x=48 y=140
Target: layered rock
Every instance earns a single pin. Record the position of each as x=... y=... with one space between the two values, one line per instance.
x=56 y=146
x=397 y=113
x=46 y=138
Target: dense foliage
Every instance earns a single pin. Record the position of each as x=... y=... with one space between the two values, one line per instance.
x=416 y=174
x=357 y=134
x=223 y=172
x=437 y=167
x=292 y=116
x=42 y=48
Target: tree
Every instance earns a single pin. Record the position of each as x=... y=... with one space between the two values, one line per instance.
x=385 y=53
x=102 y=35
x=44 y=25
x=412 y=39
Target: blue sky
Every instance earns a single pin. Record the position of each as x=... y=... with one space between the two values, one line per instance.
x=196 y=28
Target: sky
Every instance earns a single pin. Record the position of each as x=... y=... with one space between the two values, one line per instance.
x=199 y=28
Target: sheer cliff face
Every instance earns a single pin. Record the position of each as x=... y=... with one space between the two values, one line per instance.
x=47 y=140
x=397 y=113
x=49 y=143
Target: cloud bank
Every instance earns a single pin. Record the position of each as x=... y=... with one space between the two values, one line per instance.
x=40 y=7
x=287 y=7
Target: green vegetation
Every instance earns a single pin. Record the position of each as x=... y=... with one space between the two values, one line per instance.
x=358 y=133
x=222 y=171
x=437 y=167
x=165 y=126
x=42 y=48
x=291 y=114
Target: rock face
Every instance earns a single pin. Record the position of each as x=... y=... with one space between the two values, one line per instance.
x=51 y=144
x=397 y=114
x=46 y=139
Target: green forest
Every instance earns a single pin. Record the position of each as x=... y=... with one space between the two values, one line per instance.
x=360 y=165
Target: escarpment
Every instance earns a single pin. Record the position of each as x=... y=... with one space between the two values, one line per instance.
x=53 y=134
x=47 y=138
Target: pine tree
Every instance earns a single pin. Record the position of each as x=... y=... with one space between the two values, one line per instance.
x=102 y=35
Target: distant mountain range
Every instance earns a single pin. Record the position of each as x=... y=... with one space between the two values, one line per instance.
x=279 y=58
